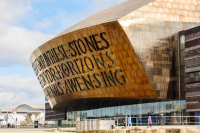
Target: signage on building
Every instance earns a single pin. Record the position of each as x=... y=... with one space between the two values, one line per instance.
x=14 y=111
x=86 y=64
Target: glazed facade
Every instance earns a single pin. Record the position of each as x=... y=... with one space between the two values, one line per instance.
x=130 y=59
x=155 y=109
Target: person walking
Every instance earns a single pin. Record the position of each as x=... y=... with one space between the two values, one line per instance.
x=149 y=122
x=129 y=121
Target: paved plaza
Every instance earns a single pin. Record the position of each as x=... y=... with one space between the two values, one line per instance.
x=43 y=130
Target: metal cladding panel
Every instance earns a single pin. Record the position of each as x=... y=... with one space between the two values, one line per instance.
x=152 y=31
x=131 y=56
x=94 y=62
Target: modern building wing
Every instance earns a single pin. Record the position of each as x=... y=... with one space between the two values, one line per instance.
x=189 y=40
x=24 y=109
x=23 y=112
x=124 y=55
x=32 y=106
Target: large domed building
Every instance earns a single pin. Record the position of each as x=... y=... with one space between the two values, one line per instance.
x=125 y=60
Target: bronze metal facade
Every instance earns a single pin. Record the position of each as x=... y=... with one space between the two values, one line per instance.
x=132 y=55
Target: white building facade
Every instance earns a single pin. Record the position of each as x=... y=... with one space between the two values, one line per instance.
x=22 y=113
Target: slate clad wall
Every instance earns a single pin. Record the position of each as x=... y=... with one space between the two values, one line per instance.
x=51 y=115
x=192 y=63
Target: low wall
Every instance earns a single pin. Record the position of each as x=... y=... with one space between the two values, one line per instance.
x=94 y=124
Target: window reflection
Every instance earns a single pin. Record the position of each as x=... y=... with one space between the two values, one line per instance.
x=191 y=74
x=164 y=108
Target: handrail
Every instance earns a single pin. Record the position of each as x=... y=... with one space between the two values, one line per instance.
x=142 y=121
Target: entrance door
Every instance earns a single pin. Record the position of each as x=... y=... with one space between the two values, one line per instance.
x=59 y=123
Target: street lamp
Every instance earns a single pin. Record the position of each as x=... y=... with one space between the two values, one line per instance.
x=7 y=105
x=12 y=109
x=11 y=106
x=11 y=103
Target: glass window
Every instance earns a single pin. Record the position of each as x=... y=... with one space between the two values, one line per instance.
x=123 y=110
x=98 y=113
x=102 y=112
x=117 y=111
x=128 y=109
x=94 y=113
x=112 y=111
x=107 y=111
x=183 y=105
x=134 y=110
x=139 y=109
x=145 y=108
x=150 y=107
x=84 y=114
x=182 y=39
x=196 y=73
x=178 y=106
x=191 y=74
x=183 y=86
x=90 y=113
x=156 y=107
x=169 y=106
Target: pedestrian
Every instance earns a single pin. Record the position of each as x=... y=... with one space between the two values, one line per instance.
x=129 y=121
x=149 y=122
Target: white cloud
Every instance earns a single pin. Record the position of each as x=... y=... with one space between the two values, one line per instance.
x=45 y=24
x=54 y=23
x=18 y=43
x=13 y=10
x=26 y=90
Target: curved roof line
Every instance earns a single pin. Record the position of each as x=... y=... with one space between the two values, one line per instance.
x=110 y=14
x=35 y=106
x=113 y=13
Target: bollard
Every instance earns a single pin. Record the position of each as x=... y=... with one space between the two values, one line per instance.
x=186 y=122
x=125 y=121
x=117 y=122
x=90 y=124
x=85 y=124
x=136 y=121
x=80 y=126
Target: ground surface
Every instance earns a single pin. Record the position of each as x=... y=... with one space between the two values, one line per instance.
x=46 y=130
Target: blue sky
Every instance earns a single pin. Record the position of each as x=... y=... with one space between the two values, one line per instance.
x=24 y=26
